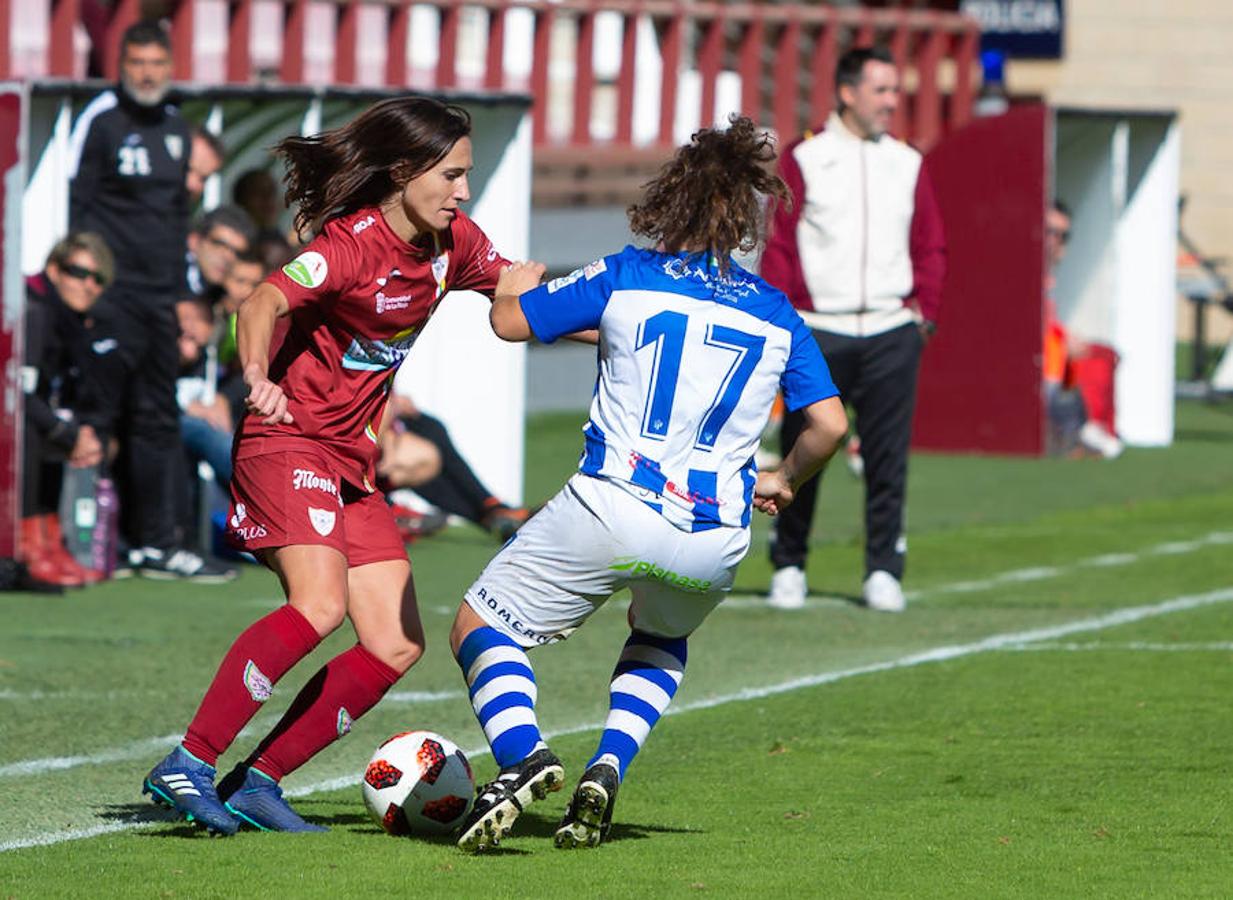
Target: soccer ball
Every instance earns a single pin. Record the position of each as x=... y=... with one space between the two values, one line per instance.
x=418 y=783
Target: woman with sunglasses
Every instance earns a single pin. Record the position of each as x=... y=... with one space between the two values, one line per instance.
x=383 y=194
x=61 y=419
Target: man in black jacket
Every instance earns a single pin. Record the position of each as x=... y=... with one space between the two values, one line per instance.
x=129 y=186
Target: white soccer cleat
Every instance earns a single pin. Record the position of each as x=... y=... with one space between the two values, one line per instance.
x=787 y=588
x=883 y=592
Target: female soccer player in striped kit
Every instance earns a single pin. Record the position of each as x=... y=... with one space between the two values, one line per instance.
x=383 y=194
x=692 y=351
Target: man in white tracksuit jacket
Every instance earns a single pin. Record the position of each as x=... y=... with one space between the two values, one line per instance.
x=862 y=256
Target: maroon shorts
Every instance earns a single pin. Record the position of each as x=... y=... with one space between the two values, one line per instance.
x=295 y=497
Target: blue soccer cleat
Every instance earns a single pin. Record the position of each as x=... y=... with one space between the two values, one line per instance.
x=258 y=801
x=186 y=784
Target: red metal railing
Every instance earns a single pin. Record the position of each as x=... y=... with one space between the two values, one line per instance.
x=784 y=54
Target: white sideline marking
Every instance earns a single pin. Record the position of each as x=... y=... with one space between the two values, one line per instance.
x=1137 y=646
x=1112 y=619
x=116 y=754
x=1015 y=576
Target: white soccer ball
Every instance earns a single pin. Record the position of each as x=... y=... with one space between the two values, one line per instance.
x=418 y=782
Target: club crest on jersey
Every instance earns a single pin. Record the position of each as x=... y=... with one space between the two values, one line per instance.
x=440 y=265
x=308 y=269
x=322 y=520
x=344 y=721
x=175 y=145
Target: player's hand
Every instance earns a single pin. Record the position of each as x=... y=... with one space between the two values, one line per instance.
x=772 y=493
x=518 y=278
x=267 y=400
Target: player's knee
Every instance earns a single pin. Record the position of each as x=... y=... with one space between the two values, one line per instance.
x=401 y=656
x=324 y=613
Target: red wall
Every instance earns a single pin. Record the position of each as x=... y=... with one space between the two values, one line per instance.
x=10 y=324
x=980 y=387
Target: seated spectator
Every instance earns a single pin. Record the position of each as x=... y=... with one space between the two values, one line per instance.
x=205 y=159
x=61 y=417
x=1077 y=375
x=256 y=192
x=417 y=453
x=219 y=238
x=206 y=423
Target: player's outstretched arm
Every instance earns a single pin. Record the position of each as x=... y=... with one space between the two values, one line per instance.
x=826 y=423
x=254 y=330
x=506 y=316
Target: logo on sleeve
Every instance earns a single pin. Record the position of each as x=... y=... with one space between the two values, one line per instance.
x=595 y=268
x=308 y=269
x=564 y=281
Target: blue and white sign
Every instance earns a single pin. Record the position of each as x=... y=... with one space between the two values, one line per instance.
x=1022 y=29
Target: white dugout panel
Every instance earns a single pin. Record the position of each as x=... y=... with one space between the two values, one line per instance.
x=1119 y=174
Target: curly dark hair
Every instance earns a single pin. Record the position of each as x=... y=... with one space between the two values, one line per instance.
x=708 y=196
x=368 y=159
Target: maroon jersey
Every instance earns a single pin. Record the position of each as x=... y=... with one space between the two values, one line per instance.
x=359 y=297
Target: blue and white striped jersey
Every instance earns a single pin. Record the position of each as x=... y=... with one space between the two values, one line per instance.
x=689 y=364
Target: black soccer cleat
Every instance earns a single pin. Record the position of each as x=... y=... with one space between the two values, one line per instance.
x=499 y=803
x=589 y=817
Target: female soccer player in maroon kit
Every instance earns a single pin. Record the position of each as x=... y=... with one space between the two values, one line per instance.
x=383 y=195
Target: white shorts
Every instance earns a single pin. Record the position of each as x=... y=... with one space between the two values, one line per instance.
x=592 y=539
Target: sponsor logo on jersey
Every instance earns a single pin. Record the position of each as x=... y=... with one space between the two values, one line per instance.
x=308 y=269
x=596 y=268
x=362 y=224
x=308 y=480
x=258 y=686
x=386 y=303
x=641 y=568
x=489 y=599
x=369 y=355
x=322 y=520
x=105 y=346
x=174 y=144
x=732 y=287
x=564 y=281
x=249 y=532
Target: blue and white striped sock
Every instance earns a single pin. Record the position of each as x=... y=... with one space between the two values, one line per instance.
x=643 y=684
x=502 y=687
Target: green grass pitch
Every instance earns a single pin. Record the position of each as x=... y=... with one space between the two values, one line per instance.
x=1050 y=717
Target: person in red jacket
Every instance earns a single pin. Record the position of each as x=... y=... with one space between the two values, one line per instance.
x=861 y=254
x=383 y=194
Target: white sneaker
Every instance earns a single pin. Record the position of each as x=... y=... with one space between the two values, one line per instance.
x=787 y=588
x=1096 y=437
x=883 y=592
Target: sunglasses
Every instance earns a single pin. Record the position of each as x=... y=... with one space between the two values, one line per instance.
x=82 y=273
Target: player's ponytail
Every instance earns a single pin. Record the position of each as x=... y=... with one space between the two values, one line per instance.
x=371 y=157
x=708 y=197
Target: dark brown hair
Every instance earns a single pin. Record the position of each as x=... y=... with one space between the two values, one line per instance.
x=368 y=159
x=708 y=196
x=91 y=243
